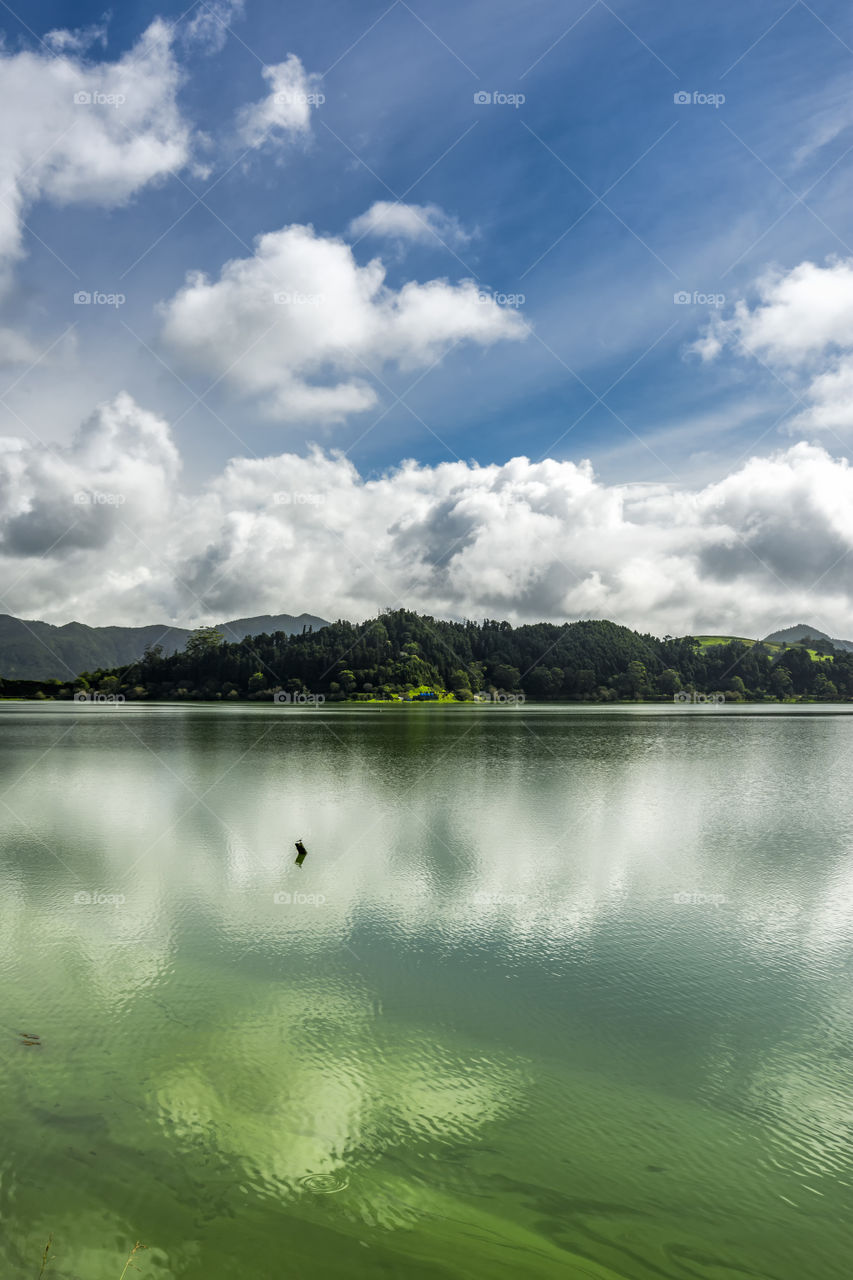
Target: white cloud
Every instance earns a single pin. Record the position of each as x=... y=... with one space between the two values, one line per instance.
x=208 y=26
x=17 y=348
x=80 y=132
x=421 y=223
x=77 y=41
x=99 y=495
x=801 y=314
x=309 y=355
x=802 y=327
x=823 y=119
x=286 y=110
x=767 y=545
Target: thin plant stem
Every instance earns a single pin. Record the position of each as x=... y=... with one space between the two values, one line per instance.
x=44 y=1257
x=130 y=1263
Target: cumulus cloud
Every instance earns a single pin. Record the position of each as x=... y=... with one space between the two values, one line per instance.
x=286 y=110
x=420 y=223
x=301 y=326
x=768 y=544
x=801 y=326
x=99 y=497
x=76 y=131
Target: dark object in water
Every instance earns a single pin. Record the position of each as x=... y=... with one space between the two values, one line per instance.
x=301 y=853
x=30 y=1039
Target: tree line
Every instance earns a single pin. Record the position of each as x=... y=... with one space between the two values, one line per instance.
x=402 y=654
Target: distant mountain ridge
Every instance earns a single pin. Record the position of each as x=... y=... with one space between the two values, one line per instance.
x=794 y=635
x=40 y=651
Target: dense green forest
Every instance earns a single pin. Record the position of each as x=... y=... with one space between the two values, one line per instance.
x=403 y=655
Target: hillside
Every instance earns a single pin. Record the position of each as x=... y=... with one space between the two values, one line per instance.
x=802 y=631
x=39 y=651
x=401 y=654
x=823 y=653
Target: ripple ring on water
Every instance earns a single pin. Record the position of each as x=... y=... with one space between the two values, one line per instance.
x=325 y=1184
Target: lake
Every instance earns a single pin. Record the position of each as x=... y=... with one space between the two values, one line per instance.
x=556 y=992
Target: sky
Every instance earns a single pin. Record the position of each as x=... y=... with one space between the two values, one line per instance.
x=484 y=310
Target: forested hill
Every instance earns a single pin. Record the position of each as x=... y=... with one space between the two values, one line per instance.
x=401 y=654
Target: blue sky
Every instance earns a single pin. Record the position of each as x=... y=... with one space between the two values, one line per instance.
x=686 y=203
x=584 y=192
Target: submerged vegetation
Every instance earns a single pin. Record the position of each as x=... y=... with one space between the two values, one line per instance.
x=403 y=656
x=46 y=1259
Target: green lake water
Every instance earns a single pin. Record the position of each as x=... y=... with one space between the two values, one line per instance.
x=557 y=992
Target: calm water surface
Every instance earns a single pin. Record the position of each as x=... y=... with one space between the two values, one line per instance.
x=556 y=992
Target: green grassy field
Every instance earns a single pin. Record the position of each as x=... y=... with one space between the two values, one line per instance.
x=705 y=641
x=773 y=645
